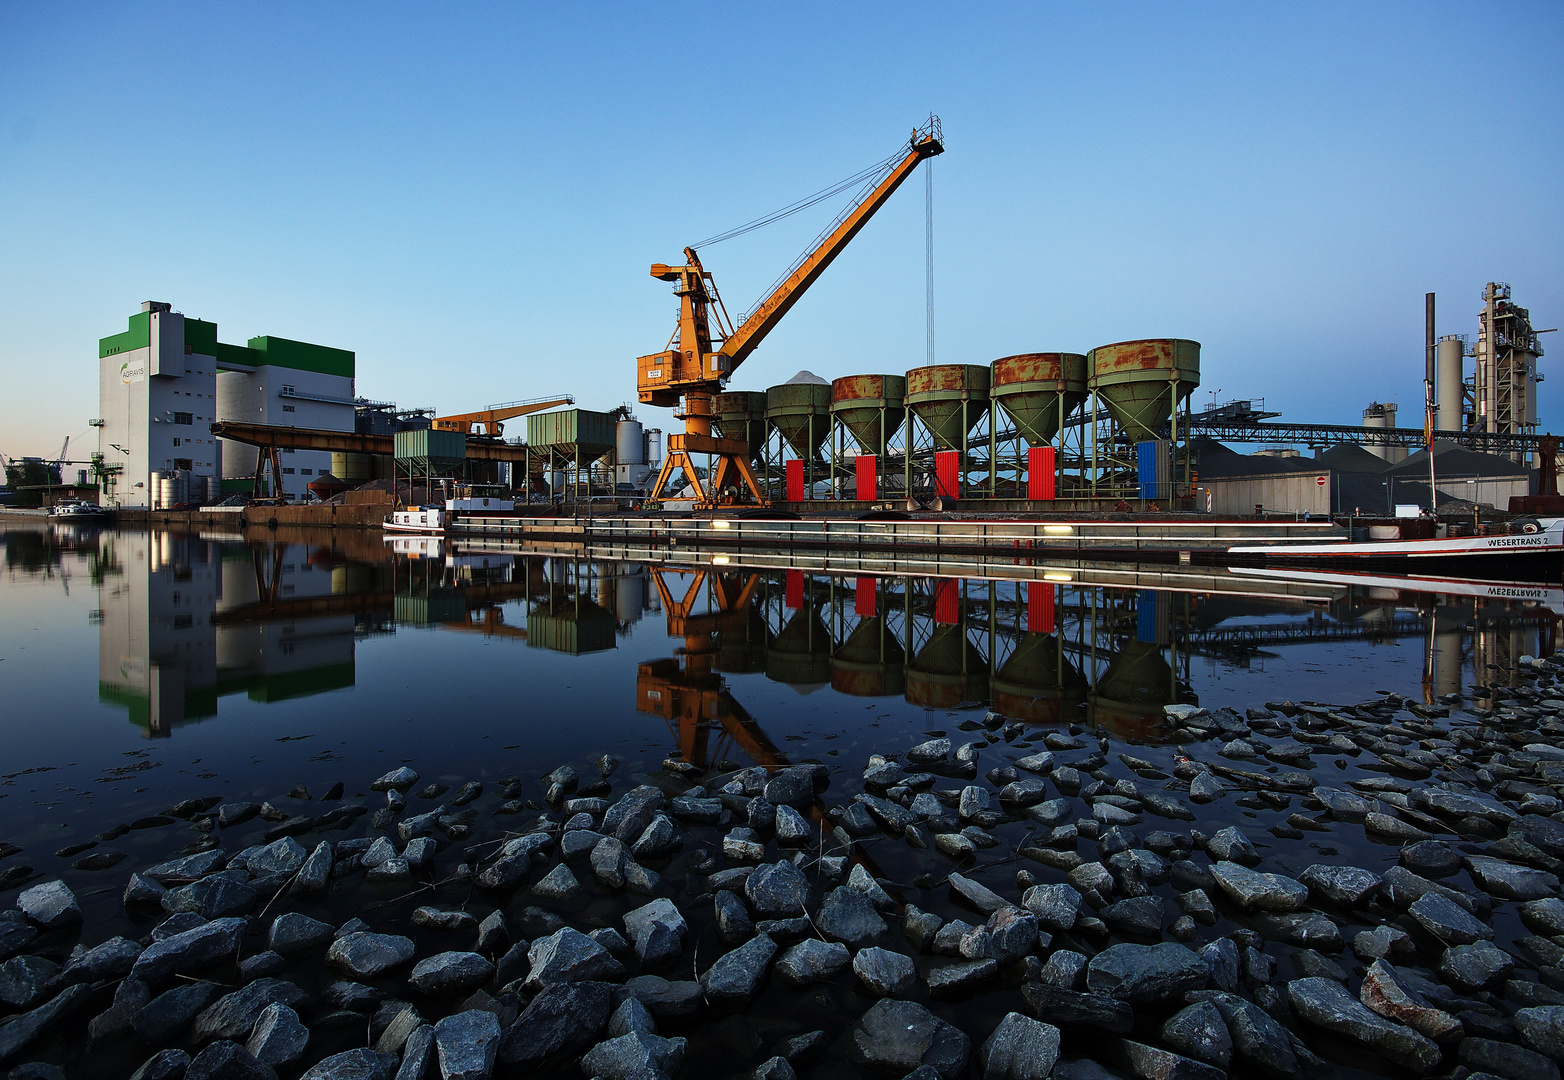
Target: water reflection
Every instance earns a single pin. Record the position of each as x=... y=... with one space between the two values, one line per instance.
x=185 y=620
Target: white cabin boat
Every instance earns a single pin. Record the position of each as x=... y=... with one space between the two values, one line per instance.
x=430 y=520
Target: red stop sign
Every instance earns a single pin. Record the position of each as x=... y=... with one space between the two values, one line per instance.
x=1319 y=481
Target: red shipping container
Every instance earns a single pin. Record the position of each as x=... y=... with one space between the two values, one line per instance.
x=947 y=473
x=947 y=601
x=793 y=596
x=1040 y=607
x=868 y=485
x=863 y=602
x=795 y=481
x=1040 y=472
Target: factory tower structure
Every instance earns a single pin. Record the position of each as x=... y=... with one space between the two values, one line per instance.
x=165 y=380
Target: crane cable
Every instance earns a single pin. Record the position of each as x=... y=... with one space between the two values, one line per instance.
x=873 y=172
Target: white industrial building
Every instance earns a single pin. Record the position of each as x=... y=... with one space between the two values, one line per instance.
x=163 y=382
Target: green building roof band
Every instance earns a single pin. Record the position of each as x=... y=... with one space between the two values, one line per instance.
x=139 y=336
x=201 y=336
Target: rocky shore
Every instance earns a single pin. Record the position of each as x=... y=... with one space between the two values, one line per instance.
x=1295 y=891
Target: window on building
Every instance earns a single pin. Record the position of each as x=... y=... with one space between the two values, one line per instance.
x=306 y=472
x=178 y=442
x=183 y=418
x=287 y=390
x=183 y=463
x=288 y=408
x=184 y=622
x=287 y=472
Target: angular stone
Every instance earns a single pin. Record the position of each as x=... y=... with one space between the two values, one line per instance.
x=1305 y=929
x=164 y=1019
x=227 y=1060
x=1543 y=1029
x=1009 y=934
x=1154 y=1063
x=1510 y=882
x=1327 y=1004
x=777 y=890
x=282 y=857
x=450 y=973
x=1344 y=886
x=1385 y=992
x=163 y=1065
x=1490 y=1057
x=110 y=960
x=885 y=973
x=1069 y=1009
x=897 y=1037
x=467 y=1043
x=1056 y=906
x=735 y=978
x=793 y=787
x=23 y=980
x=1145 y=973
x=19 y=1031
x=360 y=1064
x=295 y=933
x=563 y=1019
x=50 y=905
x=628 y=818
x=234 y=1014
x=634 y=1056
x=1198 y=1031
x=666 y=1000
x=560 y=885
x=960 y=979
x=1476 y=966
x=849 y=916
x=1447 y=921
x=399 y=779
x=1020 y=1048
x=568 y=955
x=812 y=961
x=978 y=895
x=658 y=932
x=365 y=955
x=1232 y=845
x=189 y=951
x=278 y=1037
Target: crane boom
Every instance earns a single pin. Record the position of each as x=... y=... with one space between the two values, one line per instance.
x=489 y=420
x=693 y=371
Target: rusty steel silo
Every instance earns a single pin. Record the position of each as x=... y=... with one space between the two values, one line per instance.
x=1141 y=382
x=870 y=662
x=948 y=670
x=949 y=399
x=801 y=413
x=741 y=414
x=1037 y=684
x=1038 y=391
x=870 y=408
x=801 y=654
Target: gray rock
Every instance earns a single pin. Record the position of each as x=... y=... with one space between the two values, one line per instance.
x=1385 y=992
x=736 y=976
x=609 y=859
x=433 y=918
x=110 y=960
x=1510 y=882
x=1056 y=906
x=314 y=874
x=1456 y=805
x=417 y=1053
x=295 y=933
x=467 y=1043
x=1221 y=958
x=1476 y=966
x=812 y=961
x=186 y=868
x=568 y=955
x=660 y=838
x=1144 y=973
x=734 y=925
x=1543 y=1029
x=1198 y=1031
x=1494 y=1058
x=885 y=973
x=23 y=980
x=143 y=890
x=1262 y=1043
x=926 y=753
x=164 y=1019
x=1204 y=788
x=278 y=1037
x=629 y=817
x=1327 y=1004
x=560 y=884
x=793 y=787
x=1069 y=1009
x=450 y=973
x=1232 y=845
x=899 y=1036
x=234 y=1014
x=978 y=895
x=50 y=905
x=1447 y=921
x=399 y=779
x=776 y=1068
x=1155 y=1063
x=1065 y=969
x=130 y=997
x=282 y=857
x=1381 y=942
x=226 y=1060
x=1137 y=916
x=163 y=1065
x=365 y=955
x=1019 y=1049
x=973 y=801
x=1305 y=929
x=849 y=916
x=19 y=1032
x=1344 y=805
x=1009 y=934
x=664 y=999
x=634 y=1056
x=777 y=890
x=631 y=1016
x=1344 y=886
x=658 y=932
x=189 y=951
x=360 y=1064
x=214 y=897
x=563 y=1019
x=960 y=979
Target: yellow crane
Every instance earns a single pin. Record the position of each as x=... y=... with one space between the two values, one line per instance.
x=489 y=421
x=701 y=356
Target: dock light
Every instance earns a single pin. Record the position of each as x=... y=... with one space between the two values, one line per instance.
x=1057 y=577
x=1057 y=530
x=722 y=524
x=719 y=560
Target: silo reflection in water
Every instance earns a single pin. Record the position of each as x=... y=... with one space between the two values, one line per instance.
x=801 y=654
x=947 y=671
x=1038 y=683
x=870 y=662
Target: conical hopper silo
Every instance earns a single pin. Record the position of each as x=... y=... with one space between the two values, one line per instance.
x=1036 y=389
x=741 y=414
x=948 y=670
x=1037 y=684
x=801 y=654
x=801 y=412
x=742 y=649
x=870 y=408
x=1136 y=380
x=1132 y=691
x=950 y=399
x=870 y=661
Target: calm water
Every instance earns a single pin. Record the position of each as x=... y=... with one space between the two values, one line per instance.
x=139 y=669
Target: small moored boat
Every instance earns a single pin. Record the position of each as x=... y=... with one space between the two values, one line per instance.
x=428 y=519
x=1529 y=550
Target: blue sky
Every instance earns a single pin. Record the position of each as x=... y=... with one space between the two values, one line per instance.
x=469 y=196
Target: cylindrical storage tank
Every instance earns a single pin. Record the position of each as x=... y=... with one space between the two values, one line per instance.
x=802 y=413
x=1136 y=379
x=870 y=408
x=155 y=490
x=950 y=399
x=1449 y=379
x=1037 y=684
x=654 y=446
x=352 y=469
x=214 y=488
x=1382 y=414
x=629 y=443
x=947 y=671
x=870 y=661
x=741 y=414
x=801 y=654
x=1039 y=390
